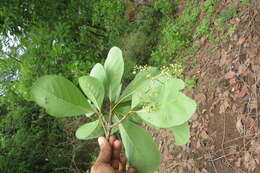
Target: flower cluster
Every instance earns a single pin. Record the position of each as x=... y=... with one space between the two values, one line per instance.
x=173 y=70
x=140 y=68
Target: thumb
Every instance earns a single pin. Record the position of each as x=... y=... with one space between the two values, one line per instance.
x=105 y=151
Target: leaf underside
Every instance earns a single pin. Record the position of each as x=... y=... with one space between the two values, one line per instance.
x=114 y=67
x=59 y=97
x=90 y=130
x=93 y=89
x=141 y=150
x=99 y=73
x=170 y=107
x=181 y=134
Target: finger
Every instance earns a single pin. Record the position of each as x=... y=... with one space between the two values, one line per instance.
x=117 y=146
x=123 y=160
x=122 y=164
x=105 y=151
x=121 y=168
x=131 y=170
x=115 y=164
x=112 y=139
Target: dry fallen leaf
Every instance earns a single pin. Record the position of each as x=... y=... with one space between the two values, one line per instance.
x=247 y=158
x=195 y=124
x=242 y=70
x=168 y=158
x=204 y=171
x=180 y=170
x=249 y=161
x=190 y=164
x=216 y=22
x=224 y=57
x=238 y=162
x=202 y=15
x=230 y=75
x=257 y=150
x=198 y=145
x=250 y=124
x=232 y=81
x=239 y=126
x=197 y=171
x=201 y=98
x=253 y=103
x=203 y=39
x=224 y=106
x=234 y=21
x=242 y=93
x=252 y=52
x=204 y=135
x=241 y=41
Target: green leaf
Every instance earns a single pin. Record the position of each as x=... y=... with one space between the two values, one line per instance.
x=122 y=109
x=93 y=89
x=114 y=67
x=141 y=150
x=118 y=91
x=170 y=107
x=139 y=81
x=90 y=130
x=150 y=87
x=89 y=114
x=181 y=134
x=99 y=73
x=59 y=97
x=114 y=130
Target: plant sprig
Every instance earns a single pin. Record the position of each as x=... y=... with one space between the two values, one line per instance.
x=154 y=97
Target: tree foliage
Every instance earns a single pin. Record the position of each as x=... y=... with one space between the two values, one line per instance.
x=68 y=38
x=40 y=38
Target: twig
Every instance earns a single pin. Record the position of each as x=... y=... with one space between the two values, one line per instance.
x=109 y=121
x=121 y=120
x=257 y=115
x=223 y=140
x=213 y=164
x=110 y=115
x=116 y=105
x=103 y=122
x=252 y=135
x=224 y=156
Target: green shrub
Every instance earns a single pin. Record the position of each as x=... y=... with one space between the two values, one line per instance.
x=32 y=141
x=176 y=35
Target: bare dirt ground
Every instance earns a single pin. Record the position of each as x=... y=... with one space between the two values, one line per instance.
x=225 y=131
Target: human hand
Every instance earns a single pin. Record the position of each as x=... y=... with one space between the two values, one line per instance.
x=109 y=159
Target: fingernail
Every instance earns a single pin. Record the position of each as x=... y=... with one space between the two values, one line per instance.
x=101 y=140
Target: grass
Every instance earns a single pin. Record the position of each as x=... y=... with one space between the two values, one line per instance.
x=176 y=35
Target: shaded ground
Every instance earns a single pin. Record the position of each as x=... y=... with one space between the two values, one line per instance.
x=225 y=130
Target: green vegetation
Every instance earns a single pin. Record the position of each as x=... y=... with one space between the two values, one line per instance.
x=52 y=37
x=68 y=38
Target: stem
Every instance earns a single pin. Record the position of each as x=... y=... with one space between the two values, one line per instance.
x=110 y=115
x=103 y=122
x=109 y=121
x=116 y=105
x=120 y=121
